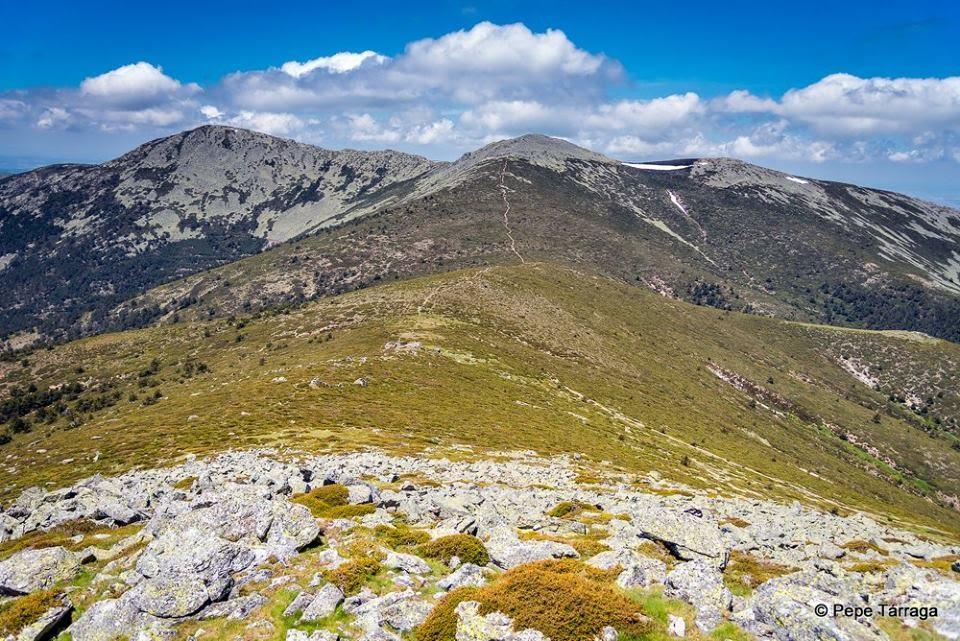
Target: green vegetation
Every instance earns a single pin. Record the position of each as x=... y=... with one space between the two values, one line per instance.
x=566 y=600
x=861 y=546
x=744 y=572
x=63 y=535
x=331 y=502
x=18 y=613
x=569 y=509
x=354 y=574
x=469 y=549
x=533 y=357
x=400 y=535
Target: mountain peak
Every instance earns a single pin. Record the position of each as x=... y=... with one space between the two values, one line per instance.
x=537 y=149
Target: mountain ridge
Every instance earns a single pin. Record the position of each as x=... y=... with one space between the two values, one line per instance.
x=716 y=231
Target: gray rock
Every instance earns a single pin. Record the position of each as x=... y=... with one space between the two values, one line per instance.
x=299 y=603
x=359 y=494
x=32 y=570
x=467 y=575
x=687 y=535
x=495 y=626
x=507 y=550
x=316 y=635
x=238 y=608
x=700 y=584
x=676 y=626
x=406 y=562
x=173 y=595
x=642 y=573
x=324 y=603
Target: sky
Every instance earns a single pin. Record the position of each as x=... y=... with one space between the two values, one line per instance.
x=865 y=92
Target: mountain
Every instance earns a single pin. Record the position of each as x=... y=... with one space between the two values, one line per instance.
x=76 y=240
x=712 y=231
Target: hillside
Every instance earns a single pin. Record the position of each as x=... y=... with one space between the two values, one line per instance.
x=714 y=232
x=84 y=249
x=515 y=453
x=75 y=240
x=531 y=357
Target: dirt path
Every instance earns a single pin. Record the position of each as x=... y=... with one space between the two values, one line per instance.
x=506 y=212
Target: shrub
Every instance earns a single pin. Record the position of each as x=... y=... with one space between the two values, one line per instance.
x=745 y=572
x=17 y=614
x=351 y=576
x=569 y=509
x=400 y=535
x=861 y=546
x=562 y=599
x=469 y=549
x=332 y=502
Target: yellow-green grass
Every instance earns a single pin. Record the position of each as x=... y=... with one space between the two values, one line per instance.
x=745 y=572
x=565 y=600
x=469 y=549
x=531 y=357
x=93 y=534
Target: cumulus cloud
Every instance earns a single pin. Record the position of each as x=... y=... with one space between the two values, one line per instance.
x=337 y=63
x=448 y=94
x=136 y=82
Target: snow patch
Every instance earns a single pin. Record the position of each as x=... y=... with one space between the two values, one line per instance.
x=6 y=259
x=640 y=165
x=798 y=180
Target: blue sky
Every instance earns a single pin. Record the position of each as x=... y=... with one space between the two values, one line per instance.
x=855 y=91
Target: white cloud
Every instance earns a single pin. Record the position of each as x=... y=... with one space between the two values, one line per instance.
x=337 y=63
x=211 y=113
x=492 y=49
x=137 y=81
x=438 y=131
x=275 y=124
x=53 y=117
x=646 y=115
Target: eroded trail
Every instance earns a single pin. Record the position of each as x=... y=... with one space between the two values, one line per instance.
x=506 y=212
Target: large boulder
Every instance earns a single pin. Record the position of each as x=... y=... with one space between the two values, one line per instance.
x=32 y=570
x=507 y=550
x=700 y=584
x=689 y=537
x=323 y=603
x=173 y=595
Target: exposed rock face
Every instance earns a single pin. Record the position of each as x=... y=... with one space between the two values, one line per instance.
x=222 y=549
x=32 y=570
x=218 y=193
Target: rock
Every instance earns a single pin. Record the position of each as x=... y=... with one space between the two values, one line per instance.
x=406 y=614
x=352 y=603
x=788 y=609
x=32 y=570
x=467 y=575
x=330 y=559
x=112 y=619
x=299 y=603
x=612 y=558
x=324 y=603
x=239 y=608
x=173 y=595
x=359 y=494
x=507 y=550
x=362 y=382
x=48 y=621
x=642 y=573
x=316 y=635
x=406 y=562
x=495 y=626
x=609 y=633
x=686 y=535
x=676 y=626
x=700 y=584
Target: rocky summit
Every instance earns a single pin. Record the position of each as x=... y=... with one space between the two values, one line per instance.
x=261 y=545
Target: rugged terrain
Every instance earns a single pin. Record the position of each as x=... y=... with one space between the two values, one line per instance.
x=76 y=240
x=365 y=546
x=84 y=246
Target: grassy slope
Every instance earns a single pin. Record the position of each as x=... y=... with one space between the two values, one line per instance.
x=534 y=357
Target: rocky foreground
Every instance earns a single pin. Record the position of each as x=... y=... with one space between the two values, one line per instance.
x=252 y=545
